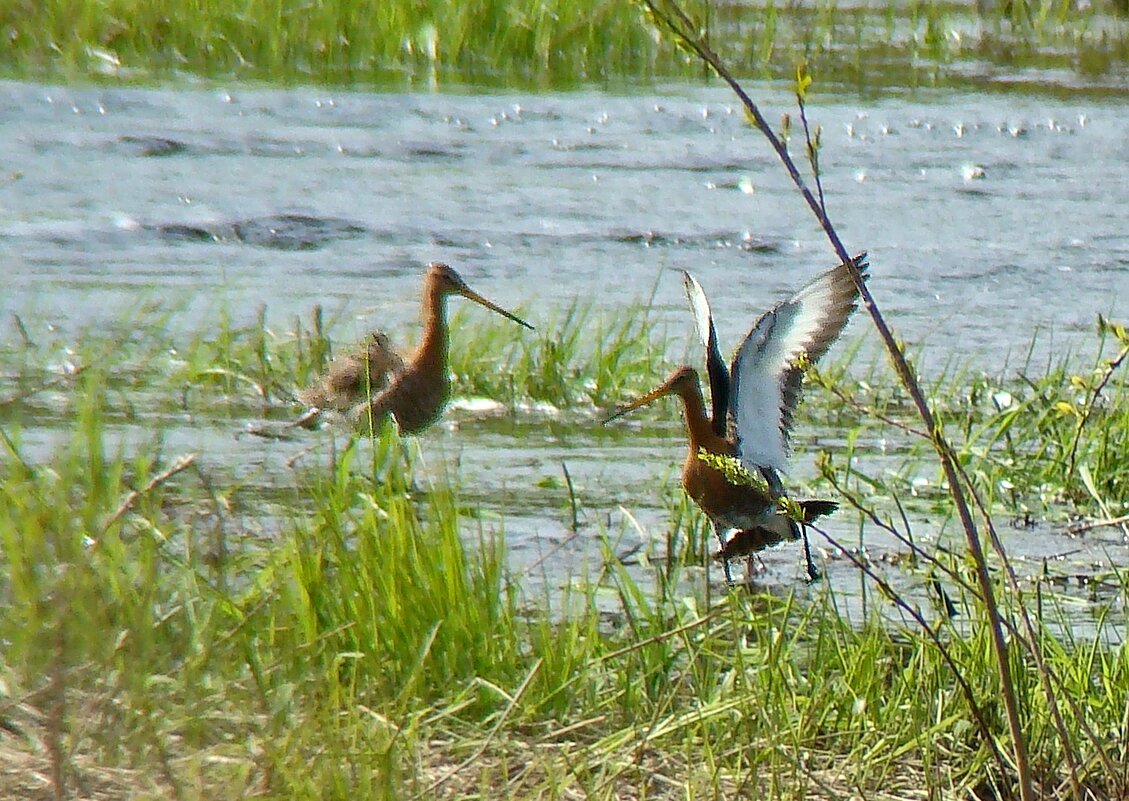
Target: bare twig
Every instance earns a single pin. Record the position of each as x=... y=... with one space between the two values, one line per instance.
x=1079 y=528
x=665 y=635
x=813 y=149
x=22 y=330
x=942 y=649
x=57 y=715
x=571 y=497
x=1047 y=676
x=671 y=17
x=551 y=552
x=67 y=377
x=183 y=463
x=1110 y=367
x=915 y=549
x=861 y=407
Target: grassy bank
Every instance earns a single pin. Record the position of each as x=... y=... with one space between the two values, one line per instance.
x=160 y=642
x=560 y=43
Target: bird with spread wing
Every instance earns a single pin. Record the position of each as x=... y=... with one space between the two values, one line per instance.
x=752 y=404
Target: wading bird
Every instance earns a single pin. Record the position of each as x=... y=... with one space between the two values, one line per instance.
x=417 y=393
x=352 y=377
x=753 y=403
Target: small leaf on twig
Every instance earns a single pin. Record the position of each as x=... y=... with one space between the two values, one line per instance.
x=803 y=81
x=1065 y=409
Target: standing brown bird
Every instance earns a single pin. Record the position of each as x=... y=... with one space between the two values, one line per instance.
x=753 y=405
x=417 y=394
x=352 y=377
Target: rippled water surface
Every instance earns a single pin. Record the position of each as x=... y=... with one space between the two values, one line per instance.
x=988 y=218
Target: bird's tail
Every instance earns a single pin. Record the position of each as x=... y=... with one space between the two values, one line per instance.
x=816 y=507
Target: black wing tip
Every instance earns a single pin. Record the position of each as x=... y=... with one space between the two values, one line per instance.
x=814 y=508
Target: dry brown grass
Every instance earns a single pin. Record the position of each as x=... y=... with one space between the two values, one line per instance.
x=28 y=768
x=534 y=768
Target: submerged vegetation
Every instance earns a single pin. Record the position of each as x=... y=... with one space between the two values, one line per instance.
x=162 y=641
x=555 y=43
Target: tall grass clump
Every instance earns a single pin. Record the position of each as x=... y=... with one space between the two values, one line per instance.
x=544 y=43
x=110 y=609
x=579 y=356
x=336 y=41
x=402 y=595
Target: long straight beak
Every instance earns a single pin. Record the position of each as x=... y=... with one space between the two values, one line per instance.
x=650 y=397
x=470 y=294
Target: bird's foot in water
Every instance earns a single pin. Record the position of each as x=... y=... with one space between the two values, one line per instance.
x=809 y=564
x=753 y=566
x=729 y=582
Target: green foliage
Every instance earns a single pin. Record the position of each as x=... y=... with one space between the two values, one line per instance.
x=1048 y=443
x=374 y=642
x=734 y=471
x=335 y=41
x=576 y=357
x=541 y=42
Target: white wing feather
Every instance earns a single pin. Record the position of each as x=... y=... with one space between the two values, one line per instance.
x=757 y=396
x=806 y=323
x=699 y=307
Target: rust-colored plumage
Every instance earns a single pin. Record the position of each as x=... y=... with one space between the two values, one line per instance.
x=417 y=394
x=753 y=403
x=749 y=510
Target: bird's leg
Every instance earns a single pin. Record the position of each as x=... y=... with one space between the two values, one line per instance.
x=724 y=562
x=729 y=582
x=813 y=572
x=410 y=461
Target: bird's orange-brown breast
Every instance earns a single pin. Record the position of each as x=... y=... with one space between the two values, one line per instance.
x=416 y=398
x=728 y=505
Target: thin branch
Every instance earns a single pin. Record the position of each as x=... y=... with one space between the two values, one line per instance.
x=680 y=25
x=183 y=463
x=1079 y=528
x=813 y=152
x=57 y=713
x=571 y=497
x=1110 y=368
x=665 y=635
x=1047 y=676
x=915 y=549
x=862 y=408
x=942 y=649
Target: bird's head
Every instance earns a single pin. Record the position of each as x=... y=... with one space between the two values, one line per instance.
x=443 y=280
x=681 y=381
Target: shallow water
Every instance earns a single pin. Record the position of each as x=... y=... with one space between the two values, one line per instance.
x=988 y=219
